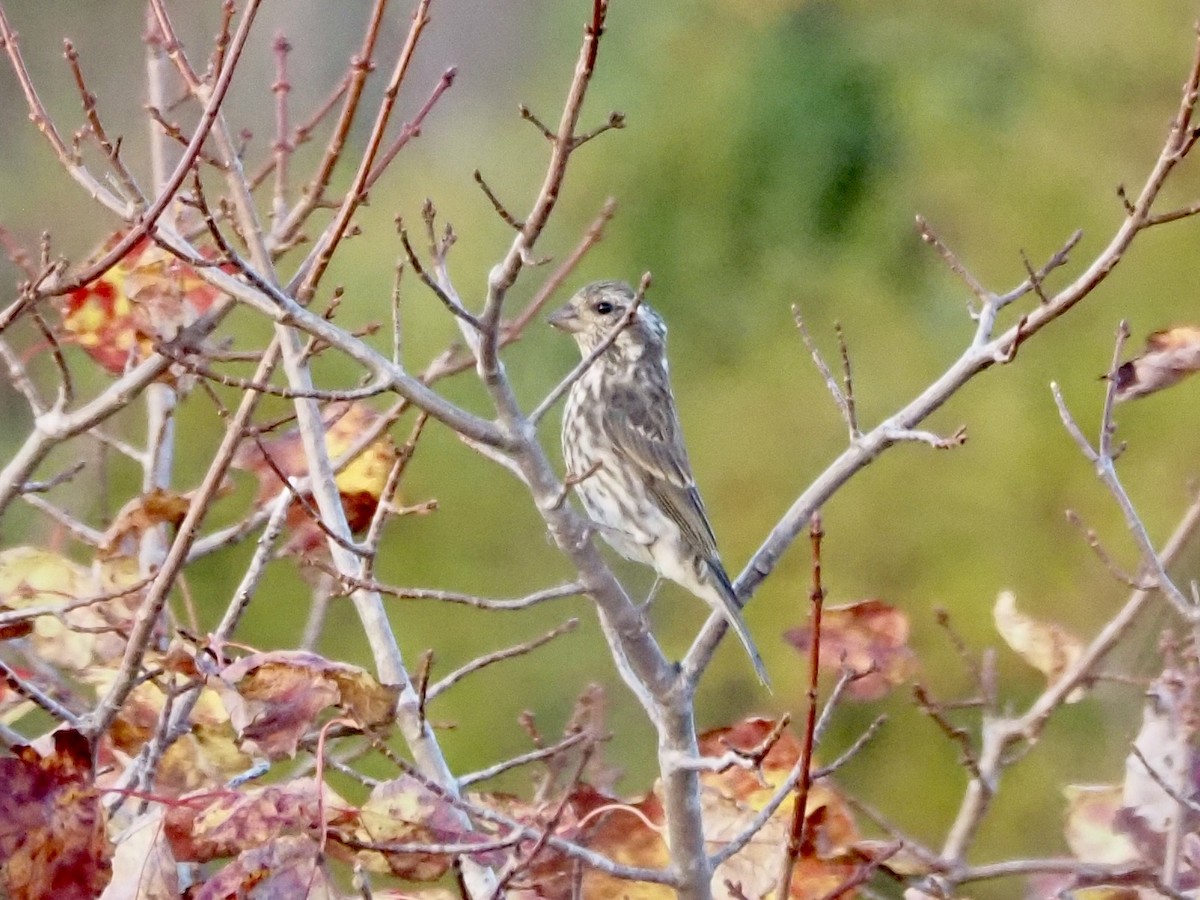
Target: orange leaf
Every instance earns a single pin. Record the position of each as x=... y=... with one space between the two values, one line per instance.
x=632 y=834
x=148 y=294
x=731 y=800
x=360 y=483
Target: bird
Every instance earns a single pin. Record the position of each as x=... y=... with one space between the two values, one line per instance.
x=623 y=447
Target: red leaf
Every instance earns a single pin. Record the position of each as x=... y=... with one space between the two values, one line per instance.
x=52 y=837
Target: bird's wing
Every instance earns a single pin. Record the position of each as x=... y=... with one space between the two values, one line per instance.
x=644 y=429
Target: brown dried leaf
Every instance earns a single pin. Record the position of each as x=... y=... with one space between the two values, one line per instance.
x=1169 y=357
x=283 y=868
x=1046 y=646
x=138 y=516
x=870 y=636
x=211 y=825
x=274 y=698
x=403 y=811
x=143 y=866
x=52 y=828
x=731 y=799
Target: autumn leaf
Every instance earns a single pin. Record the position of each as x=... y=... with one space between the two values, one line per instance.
x=279 y=869
x=732 y=799
x=870 y=638
x=149 y=294
x=1048 y=647
x=403 y=811
x=360 y=484
x=631 y=833
x=206 y=753
x=74 y=639
x=274 y=698
x=52 y=828
x=143 y=867
x=1169 y=357
x=1091 y=832
x=140 y=515
x=210 y=825
x=1162 y=746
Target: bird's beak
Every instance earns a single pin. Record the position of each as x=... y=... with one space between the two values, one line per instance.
x=565 y=319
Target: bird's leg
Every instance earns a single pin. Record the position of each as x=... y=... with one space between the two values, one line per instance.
x=653 y=593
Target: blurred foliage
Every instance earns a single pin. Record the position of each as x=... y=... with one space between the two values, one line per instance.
x=775 y=154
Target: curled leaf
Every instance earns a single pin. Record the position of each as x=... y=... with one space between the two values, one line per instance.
x=275 y=698
x=1046 y=646
x=1163 y=755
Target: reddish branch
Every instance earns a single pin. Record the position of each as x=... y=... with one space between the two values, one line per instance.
x=795 y=841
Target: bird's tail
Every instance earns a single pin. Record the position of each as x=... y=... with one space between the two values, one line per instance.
x=733 y=614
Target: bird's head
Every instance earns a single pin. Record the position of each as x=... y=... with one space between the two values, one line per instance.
x=597 y=309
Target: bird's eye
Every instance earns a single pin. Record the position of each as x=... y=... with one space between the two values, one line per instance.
x=603 y=308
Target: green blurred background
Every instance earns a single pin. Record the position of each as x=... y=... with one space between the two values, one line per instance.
x=776 y=154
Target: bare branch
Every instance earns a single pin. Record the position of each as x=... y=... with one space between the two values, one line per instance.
x=542 y=753
x=26 y=688
x=982 y=294
x=843 y=399
x=508 y=653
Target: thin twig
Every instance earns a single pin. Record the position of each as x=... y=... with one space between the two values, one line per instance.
x=842 y=398
x=524 y=759
x=499 y=655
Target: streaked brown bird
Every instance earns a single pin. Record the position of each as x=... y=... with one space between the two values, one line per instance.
x=620 y=424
